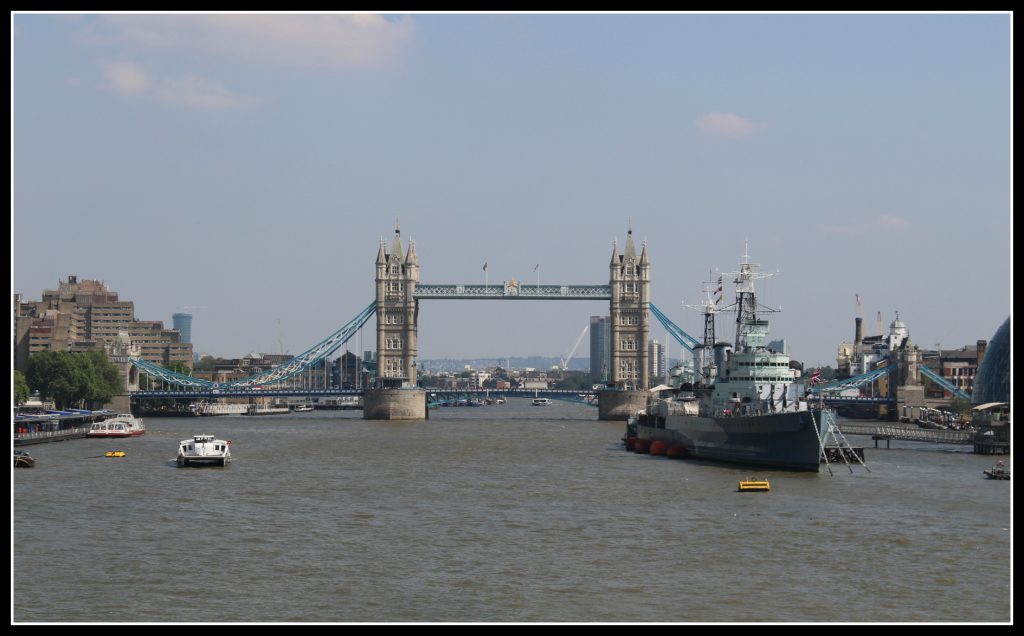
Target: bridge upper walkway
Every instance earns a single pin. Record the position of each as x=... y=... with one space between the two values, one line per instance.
x=513 y=292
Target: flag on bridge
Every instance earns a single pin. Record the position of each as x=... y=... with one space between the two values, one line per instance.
x=816 y=377
x=485 y=266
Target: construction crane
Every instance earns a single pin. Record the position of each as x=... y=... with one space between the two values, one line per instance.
x=568 y=358
x=280 y=336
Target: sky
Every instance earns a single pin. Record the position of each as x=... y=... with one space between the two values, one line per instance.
x=246 y=167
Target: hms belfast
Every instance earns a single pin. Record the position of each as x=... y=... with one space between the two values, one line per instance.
x=744 y=404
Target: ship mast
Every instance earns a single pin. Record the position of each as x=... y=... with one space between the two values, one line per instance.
x=746 y=304
x=706 y=362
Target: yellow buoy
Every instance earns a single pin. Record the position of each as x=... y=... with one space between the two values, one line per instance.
x=753 y=485
x=114 y=454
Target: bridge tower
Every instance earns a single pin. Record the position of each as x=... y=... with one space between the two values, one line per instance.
x=119 y=351
x=397 y=310
x=394 y=395
x=630 y=283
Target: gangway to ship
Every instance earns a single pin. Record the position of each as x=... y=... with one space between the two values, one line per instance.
x=843 y=449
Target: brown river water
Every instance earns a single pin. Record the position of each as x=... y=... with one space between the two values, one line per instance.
x=506 y=513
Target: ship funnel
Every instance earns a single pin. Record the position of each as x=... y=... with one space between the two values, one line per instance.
x=722 y=351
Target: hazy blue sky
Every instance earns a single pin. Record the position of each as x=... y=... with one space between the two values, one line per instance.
x=248 y=165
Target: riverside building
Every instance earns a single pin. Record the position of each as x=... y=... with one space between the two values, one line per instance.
x=82 y=315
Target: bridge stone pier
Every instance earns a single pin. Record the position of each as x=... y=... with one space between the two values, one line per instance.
x=395 y=394
x=395 y=404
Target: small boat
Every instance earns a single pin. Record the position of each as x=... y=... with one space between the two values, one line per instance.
x=755 y=485
x=123 y=425
x=541 y=401
x=23 y=459
x=114 y=454
x=204 y=450
x=998 y=471
x=302 y=408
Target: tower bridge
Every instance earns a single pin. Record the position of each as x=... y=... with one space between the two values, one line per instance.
x=395 y=394
x=399 y=292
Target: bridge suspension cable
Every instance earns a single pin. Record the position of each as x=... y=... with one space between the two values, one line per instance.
x=282 y=372
x=854 y=382
x=944 y=383
x=683 y=338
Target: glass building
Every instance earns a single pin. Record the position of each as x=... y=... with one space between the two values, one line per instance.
x=992 y=382
x=183 y=323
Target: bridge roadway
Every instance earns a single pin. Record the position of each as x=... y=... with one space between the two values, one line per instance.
x=285 y=392
x=840 y=400
x=909 y=433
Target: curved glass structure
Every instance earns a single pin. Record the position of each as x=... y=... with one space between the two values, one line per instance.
x=992 y=382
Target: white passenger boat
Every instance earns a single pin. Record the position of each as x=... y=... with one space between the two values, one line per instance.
x=124 y=425
x=267 y=410
x=302 y=408
x=204 y=450
x=541 y=401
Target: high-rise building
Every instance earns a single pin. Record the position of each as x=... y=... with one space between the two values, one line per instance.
x=183 y=323
x=655 y=361
x=600 y=347
x=81 y=315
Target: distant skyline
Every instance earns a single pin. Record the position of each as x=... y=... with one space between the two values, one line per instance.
x=247 y=165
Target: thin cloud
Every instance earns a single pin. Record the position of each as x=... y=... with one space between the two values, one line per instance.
x=317 y=40
x=728 y=124
x=189 y=91
x=880 y=224
x=196 y=92
x=127 y=78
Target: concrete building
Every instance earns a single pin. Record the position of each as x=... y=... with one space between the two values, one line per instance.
x=81 y=315
x=600 y=348
x=867 y=354
x=348 y=372
x=655 y=361
x=959 y=367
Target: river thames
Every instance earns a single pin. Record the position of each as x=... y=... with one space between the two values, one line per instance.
x=506 y=513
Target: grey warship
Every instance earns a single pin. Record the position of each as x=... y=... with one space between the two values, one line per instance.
x=743 y=404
